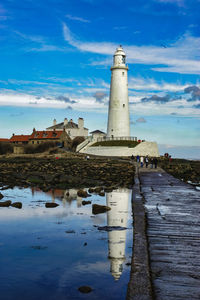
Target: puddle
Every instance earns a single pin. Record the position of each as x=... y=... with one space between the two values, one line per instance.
x=51 y=252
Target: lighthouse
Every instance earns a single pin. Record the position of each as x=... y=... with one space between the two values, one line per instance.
x=118 y=116
x=117 y=218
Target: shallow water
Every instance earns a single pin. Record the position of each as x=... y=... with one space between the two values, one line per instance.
x=48 y=253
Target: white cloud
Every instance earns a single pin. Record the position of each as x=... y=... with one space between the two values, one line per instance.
x=40 y=44
x=149 y=84
x=176 y=2
x=180 y=56
x=74 y=18
x=83 y=103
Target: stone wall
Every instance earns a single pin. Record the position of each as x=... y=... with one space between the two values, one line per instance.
x=143 y=149
x=18 y=150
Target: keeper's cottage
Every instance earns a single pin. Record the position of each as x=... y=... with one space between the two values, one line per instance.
x=71 y=128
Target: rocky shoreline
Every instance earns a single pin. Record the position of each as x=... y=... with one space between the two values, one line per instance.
x=51 y=172
x=186 y=170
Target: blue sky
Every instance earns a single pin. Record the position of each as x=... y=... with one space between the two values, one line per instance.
x=55 y=59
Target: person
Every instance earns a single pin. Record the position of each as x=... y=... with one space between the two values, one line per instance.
x=146 y=161
x=155 y=161
x=151 y=163
x=132 y=157
x=141 y=161
x=138 y=158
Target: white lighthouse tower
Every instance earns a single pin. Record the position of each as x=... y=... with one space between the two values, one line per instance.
x=117 y=217
x=118 y=117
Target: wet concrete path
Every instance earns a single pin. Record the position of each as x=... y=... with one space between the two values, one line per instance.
x=173 y=230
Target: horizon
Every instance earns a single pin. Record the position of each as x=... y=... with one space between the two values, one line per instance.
x=56 y=58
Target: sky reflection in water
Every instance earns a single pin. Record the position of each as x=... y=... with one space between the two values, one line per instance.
x=39 y=259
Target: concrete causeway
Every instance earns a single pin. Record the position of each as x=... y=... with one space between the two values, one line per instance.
x=173 y=234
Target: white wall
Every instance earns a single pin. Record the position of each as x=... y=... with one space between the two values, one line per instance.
x=143 y=149
x=118 y=117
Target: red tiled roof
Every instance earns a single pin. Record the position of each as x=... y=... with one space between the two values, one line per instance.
x=4 y=140
x=36 y=135
x=20 y=138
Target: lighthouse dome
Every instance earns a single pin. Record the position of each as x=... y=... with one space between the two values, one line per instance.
x=119 y=57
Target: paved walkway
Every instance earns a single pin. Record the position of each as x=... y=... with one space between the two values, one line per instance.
x=173 y=230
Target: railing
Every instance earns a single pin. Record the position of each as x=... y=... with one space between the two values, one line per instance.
x=104 y=138
x=84 y=143
x=119 y=138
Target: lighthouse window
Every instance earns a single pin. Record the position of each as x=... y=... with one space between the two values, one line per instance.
x=123 y=105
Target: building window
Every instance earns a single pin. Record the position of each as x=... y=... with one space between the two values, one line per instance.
x=32 y=142
x=38 y=142
x=122 y=73
x=123 y=105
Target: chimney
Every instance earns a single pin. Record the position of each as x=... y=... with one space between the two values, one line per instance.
x=13 y=134
x=54 y=122
x=65 y=121
x=33 y=129
x=80 y=123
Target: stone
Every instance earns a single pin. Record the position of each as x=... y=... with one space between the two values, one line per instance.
x=111 y=228
x=85 y=289
x=99 y=209
x=86 y=202
x=97 y=190
x=108 y=189
x=51 y=204
x=82 y=193
x=69 y=231
x=91 y=190
x=102 y=194
x=5 y=203
x=17 y=205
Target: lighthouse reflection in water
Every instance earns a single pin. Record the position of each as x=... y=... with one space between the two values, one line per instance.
x=117 y=218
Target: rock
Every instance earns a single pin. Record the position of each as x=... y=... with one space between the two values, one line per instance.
x=97 y=190
x=108 y=189
x=69 y=231
x=17 y=205
x=5 y=203
x=102 y=194
x=86 y=202
x=99 y=209
x=85 y=289
x=51 y=204
x=1 y=196
x=39 y=247
x=91 y=190
x=82 y=193
x=111 y=228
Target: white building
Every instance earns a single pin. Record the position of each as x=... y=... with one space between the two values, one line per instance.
x=117 y=216
x=71 y=128
x=118 y=117
x=118 y=127
x=96 y=134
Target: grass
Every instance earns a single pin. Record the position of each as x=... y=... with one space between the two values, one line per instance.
x=121 y=143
